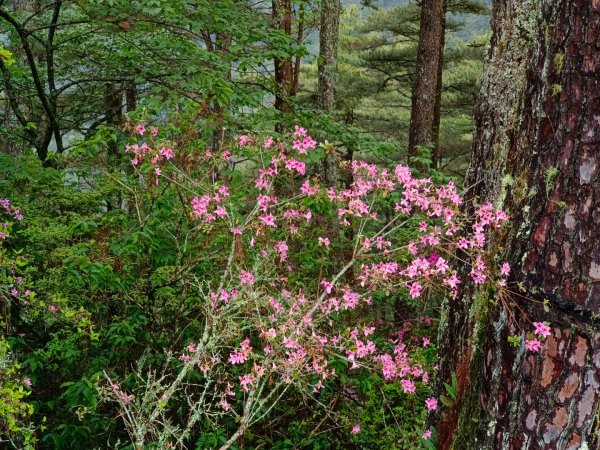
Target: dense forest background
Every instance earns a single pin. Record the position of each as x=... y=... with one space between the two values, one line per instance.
x=298 y=224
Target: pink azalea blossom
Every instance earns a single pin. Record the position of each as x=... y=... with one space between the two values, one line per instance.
x=355 y=429
x=246 y=277
x=542 y=329
x=167 y=153
x=268 y=142
x=324 y=241
x=415 y=290
x=408 y=386
x=533 y=345
x=426 y=434
x=431 y=404
x=268 y=220
x=299 y=131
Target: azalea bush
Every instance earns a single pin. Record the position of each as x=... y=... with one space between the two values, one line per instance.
x=16 y=427
x=263 y=320
x=213 y=298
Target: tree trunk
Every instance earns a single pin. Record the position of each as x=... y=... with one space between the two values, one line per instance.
x=427 y=85
x=282 y=18
x=328 y=45
x=536 y=154
x=113 y=99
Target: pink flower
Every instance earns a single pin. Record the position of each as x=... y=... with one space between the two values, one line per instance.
x=415 y=289
x=426 y=434
x=27 y=382
x=268 y=220
x=324 y=241
x=533 y=345
x=268 y=142
x=237 y=357
x=299 y=131
x=140 y=129
x=306 y=189
x=224 y=191
x=225 y=405
x=245 y=140
x=542 y=329
x=327 y=286
x=452 y=282
x=282 y=248
x=408 y=386
x=431 y=404
x=426 y=341
x=505 y=269
x=167 y=153
x=221 y=212
x=154 y=132
x=308 y=142
x=355 y=429
x=246 y=277
x=245 y=380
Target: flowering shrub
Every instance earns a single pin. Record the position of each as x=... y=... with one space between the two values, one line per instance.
x=270 y=323
x=15 y=412
x=211 y=290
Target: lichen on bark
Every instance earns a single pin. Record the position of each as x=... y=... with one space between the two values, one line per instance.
x=525 y=132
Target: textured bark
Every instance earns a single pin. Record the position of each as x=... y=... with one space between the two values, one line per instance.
x=328 y=45
x=427 y=85
x=113 y=105
x=282 y=18
x=536 y=154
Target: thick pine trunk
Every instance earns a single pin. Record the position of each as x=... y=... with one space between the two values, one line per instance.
x=427 y=85
x=536 y=154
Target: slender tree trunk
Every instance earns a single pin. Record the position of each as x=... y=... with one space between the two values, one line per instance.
x=130 y=96
x=536 y=154
x=113 y=106
x=328 y=45
x=436 y=155
x=427 y=86
x=298 y=59
x=282 y=18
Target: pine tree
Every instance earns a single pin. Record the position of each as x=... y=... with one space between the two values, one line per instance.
x=536 y=155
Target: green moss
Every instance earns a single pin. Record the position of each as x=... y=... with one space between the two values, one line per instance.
x=559 y=62
x=556 y=89
x=470 y=421
x=549 y=175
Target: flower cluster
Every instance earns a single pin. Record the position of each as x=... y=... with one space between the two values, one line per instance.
x=267 y=327
x=542 y=330
x=122 y=396
x=145 y=153
x=12 y=213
